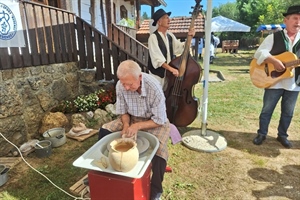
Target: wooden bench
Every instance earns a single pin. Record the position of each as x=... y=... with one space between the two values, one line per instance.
x=230 y=46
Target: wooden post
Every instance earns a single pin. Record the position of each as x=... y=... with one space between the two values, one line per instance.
x=79 y=8
x=108 y=17
x=138 y=14
x=102 y=17
x=92 y=12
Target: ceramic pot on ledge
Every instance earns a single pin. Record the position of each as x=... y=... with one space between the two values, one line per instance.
x=123 y=154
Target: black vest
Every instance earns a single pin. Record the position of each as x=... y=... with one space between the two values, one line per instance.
x=160 y=71
x=280 y=45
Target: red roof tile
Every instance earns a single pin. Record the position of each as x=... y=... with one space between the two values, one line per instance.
x=178 y=25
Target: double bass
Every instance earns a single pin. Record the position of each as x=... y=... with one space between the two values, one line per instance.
x=182 y=105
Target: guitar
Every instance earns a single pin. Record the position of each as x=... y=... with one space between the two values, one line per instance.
x=265 y=75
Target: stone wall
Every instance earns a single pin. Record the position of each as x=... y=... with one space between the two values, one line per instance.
x=27 y=94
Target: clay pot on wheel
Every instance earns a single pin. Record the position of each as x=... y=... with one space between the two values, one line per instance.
x=123 y=154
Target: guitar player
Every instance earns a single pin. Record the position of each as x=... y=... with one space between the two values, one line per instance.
x=287 y=89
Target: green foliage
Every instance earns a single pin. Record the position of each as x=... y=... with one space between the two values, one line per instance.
x=228 y=10
x=127 y=22
x=145 y=16
x=257 y=12
x=87 y=102
x=272 y=13
x=252 y=13
x=92 y=122
x=90 y=102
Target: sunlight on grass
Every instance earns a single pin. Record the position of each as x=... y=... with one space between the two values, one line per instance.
x=6 y=196
x=228 y=101
x=258 y=161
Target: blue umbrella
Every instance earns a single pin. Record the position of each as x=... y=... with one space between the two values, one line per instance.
x=269 y=27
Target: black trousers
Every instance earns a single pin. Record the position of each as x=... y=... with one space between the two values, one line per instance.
x=158 y=170
x=103 y=132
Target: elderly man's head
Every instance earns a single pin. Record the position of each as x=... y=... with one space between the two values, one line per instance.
x=292 y=19
x=130 y=75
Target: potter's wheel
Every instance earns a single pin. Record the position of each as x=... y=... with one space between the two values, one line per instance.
x=142 y=144
x=98 y=152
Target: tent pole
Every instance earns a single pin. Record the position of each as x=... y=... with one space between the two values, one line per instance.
x=205 y=140
x=206 y=66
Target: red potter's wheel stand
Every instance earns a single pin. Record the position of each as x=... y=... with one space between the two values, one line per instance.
x=107 y=183
x=106 y=186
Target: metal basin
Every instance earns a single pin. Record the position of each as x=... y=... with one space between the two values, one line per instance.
x=3 y=174
x=57 y=136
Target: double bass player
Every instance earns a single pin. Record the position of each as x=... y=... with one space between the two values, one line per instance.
x=163 y=45
x=171 y=64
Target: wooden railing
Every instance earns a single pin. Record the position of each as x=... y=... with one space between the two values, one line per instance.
x=126 y=29
x=97 y=50
x=57 y=36
x=49 y=38
x=121 y=36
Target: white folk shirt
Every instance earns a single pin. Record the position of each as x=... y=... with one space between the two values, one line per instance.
x=263 y=52
x=157 y=58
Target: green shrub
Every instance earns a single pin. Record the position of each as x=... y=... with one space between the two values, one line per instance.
x=90 y=102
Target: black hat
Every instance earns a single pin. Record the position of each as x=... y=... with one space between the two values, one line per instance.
x=292 y=10
x=158 y=14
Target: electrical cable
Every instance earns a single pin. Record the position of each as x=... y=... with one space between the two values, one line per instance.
x=75 y=198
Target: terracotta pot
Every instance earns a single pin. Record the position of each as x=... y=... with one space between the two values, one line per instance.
x=123 y=154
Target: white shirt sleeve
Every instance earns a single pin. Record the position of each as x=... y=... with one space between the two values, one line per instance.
x=264 y=49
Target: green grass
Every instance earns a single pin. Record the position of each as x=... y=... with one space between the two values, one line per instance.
x=236 y=95
x=58 y=168
x=233 y=109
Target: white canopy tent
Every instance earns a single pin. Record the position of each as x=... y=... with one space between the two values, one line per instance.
x=223 y=24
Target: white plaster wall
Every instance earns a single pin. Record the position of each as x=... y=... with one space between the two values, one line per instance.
x=98 y=20
x=85 y=13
